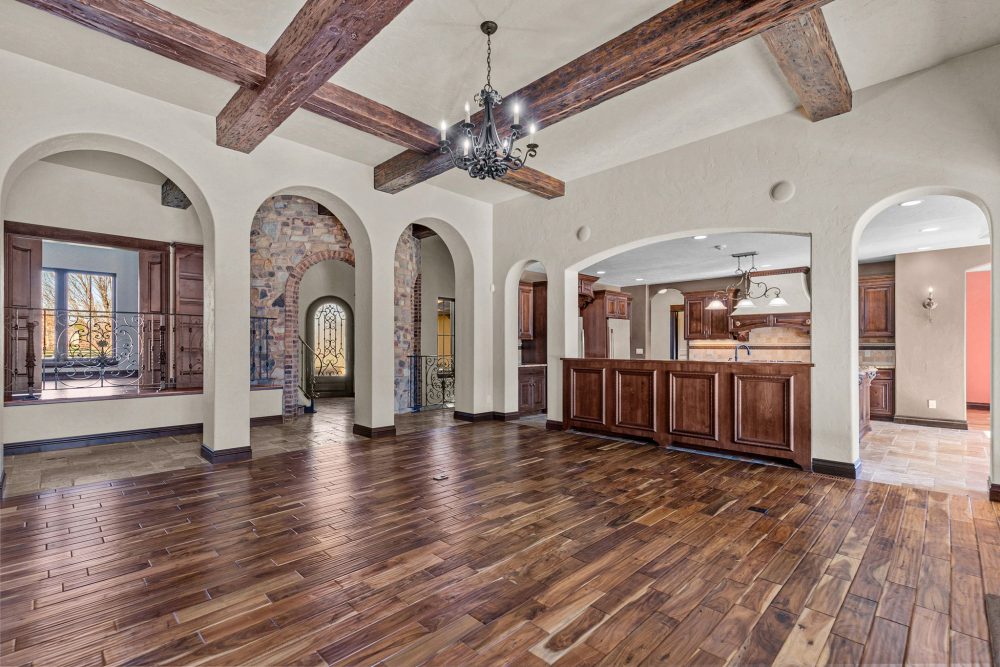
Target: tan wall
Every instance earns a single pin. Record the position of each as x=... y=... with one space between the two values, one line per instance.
x=930 y=345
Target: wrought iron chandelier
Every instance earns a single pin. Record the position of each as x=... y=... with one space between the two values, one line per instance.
x=746 y=287
x=487 y=155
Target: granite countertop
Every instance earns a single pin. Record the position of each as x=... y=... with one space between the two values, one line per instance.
x=531 y=365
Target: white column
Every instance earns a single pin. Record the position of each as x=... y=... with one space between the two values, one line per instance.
x=227 y=335
x=834 y=347
x=374 y=327
x=563 y=312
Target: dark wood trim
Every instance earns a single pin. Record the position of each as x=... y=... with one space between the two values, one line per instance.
x=804 y=50
x=322 y=38
x=876 y=346
x=684 y=33
x=72 y=442
x=554 y=425
x=977 y=406
x=506 y=416
x=21 y=403
x=3 y=481
x=226 y=455
x=781 y=272
x=269 y=420
x=994 y=492
x=80 y=236
x=837 y=468
x=957 y=424
x=473 y=416
x=535 y=182
x=374 y=433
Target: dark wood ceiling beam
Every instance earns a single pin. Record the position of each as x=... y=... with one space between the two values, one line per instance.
x=805 y=52
x=684 y=33
x=153 y=29
x=322 y=37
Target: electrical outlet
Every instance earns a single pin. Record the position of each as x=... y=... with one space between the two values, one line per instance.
x=932 y=404
x=639 y=350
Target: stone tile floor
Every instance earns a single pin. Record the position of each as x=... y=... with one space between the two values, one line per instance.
x=333 y=422
x=940 y=459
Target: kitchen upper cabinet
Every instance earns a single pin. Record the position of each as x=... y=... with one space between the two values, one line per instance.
x=700 y=323
x=525 y=311
x=607 y=305
x=877 y=307
x=618 y=305
x=535 y=350
x=883 y=394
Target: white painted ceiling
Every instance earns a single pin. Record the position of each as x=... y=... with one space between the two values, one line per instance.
x=430 y=60
x=690 y=259
x=950 y=222
x=110 y=164
x=937 y=223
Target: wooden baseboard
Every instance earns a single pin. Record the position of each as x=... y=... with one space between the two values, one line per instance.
x=266 y=421
x=71 y=442
x=977 y=406
x=226 y=455
x=374 y=433
x=554 y=425
x=3 y=481
x=473 y=416
x=837 y=468
x=506 y=416
x=957 y=424
x=994 y=492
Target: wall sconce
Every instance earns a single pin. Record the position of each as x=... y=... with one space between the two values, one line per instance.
x=929 y=303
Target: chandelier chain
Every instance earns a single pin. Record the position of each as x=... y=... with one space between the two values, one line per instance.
x=489 y=61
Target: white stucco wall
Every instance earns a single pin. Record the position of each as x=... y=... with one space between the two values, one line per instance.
x=45 y=110
x=934 y=131
x=437 y=279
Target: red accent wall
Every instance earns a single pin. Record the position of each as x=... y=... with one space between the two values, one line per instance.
x=977 y=337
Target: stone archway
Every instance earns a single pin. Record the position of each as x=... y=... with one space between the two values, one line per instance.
x=290 y=384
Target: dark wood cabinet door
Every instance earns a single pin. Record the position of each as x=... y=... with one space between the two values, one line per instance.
x=23 y=315
x=189 y=329
x=695 y=318
x=877 y=307
x=531 y=396
x=540 y=392
x=525 y=312
x=883 y=395
x=154 y=277
x=718 y=324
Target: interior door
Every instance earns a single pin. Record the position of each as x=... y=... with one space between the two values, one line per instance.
x=154 y=277
x=23 y=318
x=189 y=306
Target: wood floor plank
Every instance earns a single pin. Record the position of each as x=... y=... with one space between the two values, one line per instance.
x=540 y=548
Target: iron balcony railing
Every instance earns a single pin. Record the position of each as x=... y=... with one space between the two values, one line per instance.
x=64 y=353
x=432 y=382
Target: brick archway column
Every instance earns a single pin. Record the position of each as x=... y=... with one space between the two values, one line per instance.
x=290 y=384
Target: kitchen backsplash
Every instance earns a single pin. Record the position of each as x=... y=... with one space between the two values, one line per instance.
x=883 y=358
x=766 y=344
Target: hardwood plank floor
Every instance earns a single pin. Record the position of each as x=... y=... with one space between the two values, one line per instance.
x=539 y=548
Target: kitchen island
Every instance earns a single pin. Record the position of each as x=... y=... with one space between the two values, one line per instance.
x=755 y=409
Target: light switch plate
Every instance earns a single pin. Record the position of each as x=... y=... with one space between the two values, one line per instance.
x=932 y=404
x=639 y=350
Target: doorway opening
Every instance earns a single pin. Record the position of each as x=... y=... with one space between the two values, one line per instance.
x=330 y=341
x=924 y=345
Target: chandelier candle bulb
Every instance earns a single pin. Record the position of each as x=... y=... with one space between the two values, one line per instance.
x=531 y=132
x=468 y=116
x=517 y=113
x=444 y=131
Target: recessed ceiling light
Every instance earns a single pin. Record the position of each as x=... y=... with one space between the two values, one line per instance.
x=931 y=229
x=923 y=247
x=766 y=266
x=700 y=237
x=639 y=280
x=601 y=273
x=913 y=202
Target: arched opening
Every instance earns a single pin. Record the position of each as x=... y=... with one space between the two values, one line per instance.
x=295 y=241
x=329 y=328
x=923 y=341
x=427 y=348
x=528 y=291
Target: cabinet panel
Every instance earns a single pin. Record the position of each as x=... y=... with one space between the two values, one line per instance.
x=525 y=311
x=877 y=307
x=693 y=404
x=883 y=395
x=718 y=324
x=586 y=388
x=695 y=318
x=762 y=411
x=635 y=400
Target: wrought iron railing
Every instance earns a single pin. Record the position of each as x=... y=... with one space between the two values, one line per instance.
x=432 y=382
x=262 y=361
x=62 y=353
x=307 y=376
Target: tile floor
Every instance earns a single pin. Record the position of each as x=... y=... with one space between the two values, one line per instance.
x=940 y=459
x=332 y=422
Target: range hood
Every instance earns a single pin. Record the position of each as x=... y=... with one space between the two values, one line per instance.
x=793 y=289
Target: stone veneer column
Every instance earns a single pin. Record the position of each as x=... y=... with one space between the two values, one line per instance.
x=406 y=267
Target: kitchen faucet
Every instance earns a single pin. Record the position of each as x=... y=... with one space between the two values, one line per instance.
x=736 y=353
